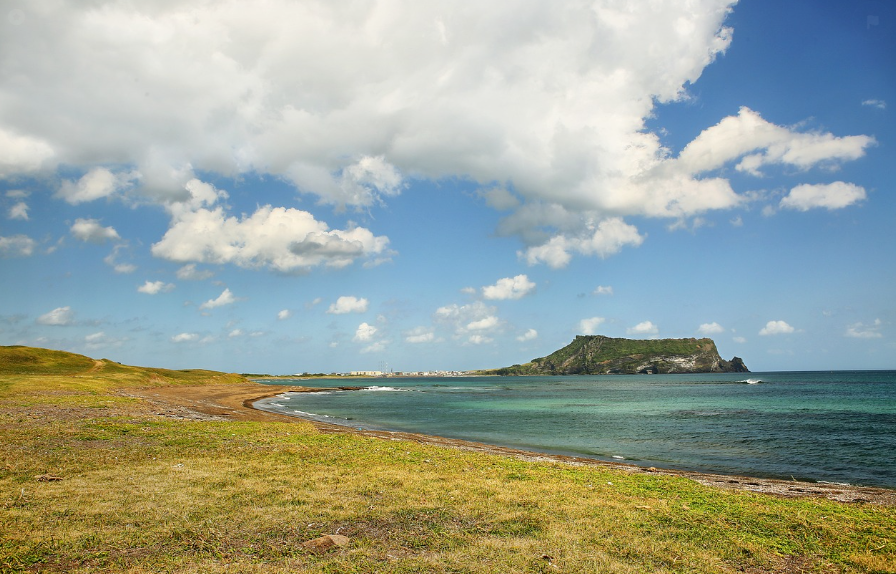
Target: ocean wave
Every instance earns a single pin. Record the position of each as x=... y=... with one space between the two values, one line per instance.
x=751 y=381
x=384 y=389
x=714 y=412
x=312 y=415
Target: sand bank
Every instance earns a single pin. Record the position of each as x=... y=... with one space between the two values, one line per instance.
x=234 y=402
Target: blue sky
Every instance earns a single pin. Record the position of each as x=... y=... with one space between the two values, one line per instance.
x=328 y=186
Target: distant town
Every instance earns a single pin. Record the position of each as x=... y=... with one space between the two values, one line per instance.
x=364 y=374
x=405 y=374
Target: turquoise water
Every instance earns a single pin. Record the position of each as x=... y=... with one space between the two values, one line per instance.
x=820 y=426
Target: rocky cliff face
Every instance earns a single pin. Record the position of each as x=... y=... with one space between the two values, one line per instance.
x=599 y=355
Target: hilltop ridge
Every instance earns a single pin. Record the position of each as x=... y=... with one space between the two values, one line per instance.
x=31 y=361
x=600 y=355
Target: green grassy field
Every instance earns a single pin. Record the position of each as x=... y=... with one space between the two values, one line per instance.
x=139 y=492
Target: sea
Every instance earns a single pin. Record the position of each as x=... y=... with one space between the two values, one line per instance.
x=837 y=427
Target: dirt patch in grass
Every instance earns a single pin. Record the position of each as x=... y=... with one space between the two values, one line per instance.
x=234 y=402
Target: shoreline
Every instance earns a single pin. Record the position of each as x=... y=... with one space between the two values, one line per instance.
x=236 y=402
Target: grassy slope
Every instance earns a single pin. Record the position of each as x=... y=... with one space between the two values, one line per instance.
x=616 y=348
x=141 y=493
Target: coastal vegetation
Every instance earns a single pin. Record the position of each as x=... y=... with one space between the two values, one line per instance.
x=600 y=355
x=96 y=477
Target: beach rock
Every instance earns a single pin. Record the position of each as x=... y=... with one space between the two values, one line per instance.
x=326 y=542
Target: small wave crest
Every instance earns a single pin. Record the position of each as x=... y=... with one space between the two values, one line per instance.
x=384 y=389
x=310 y=415
x=751 y=381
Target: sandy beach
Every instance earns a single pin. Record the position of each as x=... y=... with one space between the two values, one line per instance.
x=235 y=402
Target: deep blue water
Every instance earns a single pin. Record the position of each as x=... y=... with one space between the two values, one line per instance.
x=820 y=426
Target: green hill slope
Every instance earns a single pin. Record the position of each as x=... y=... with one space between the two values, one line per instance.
x=599 y=355
x=19 y=360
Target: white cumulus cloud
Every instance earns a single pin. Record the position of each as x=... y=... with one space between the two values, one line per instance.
x=710 y=329
x=189 y=273
x=60 y=316
x=284 y=314
x=364 y=332
x=375 y=347
x=603 y=290
x=479 y=339
x=529 y=335
x=348 y=304
x=776 y=328
x=185 y=337
x=589 y=326
x=22 y=154
x=112 y=260
x=154 y=287
x=16 y=246
x=361 y=183
x=282 y=239
x=225 y=298
x=603 y=239
x=95 y=337
x=462 y=319
x=836 y=195
x=97 y=183
x=643 y=328
x=19 y=211
x=483 y=324
x=509 y=288
x=758 y=143
x=91 y=231
x=862 y=331
x=420 y=335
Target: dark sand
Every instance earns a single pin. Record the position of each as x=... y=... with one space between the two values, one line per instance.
x=234 y=402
